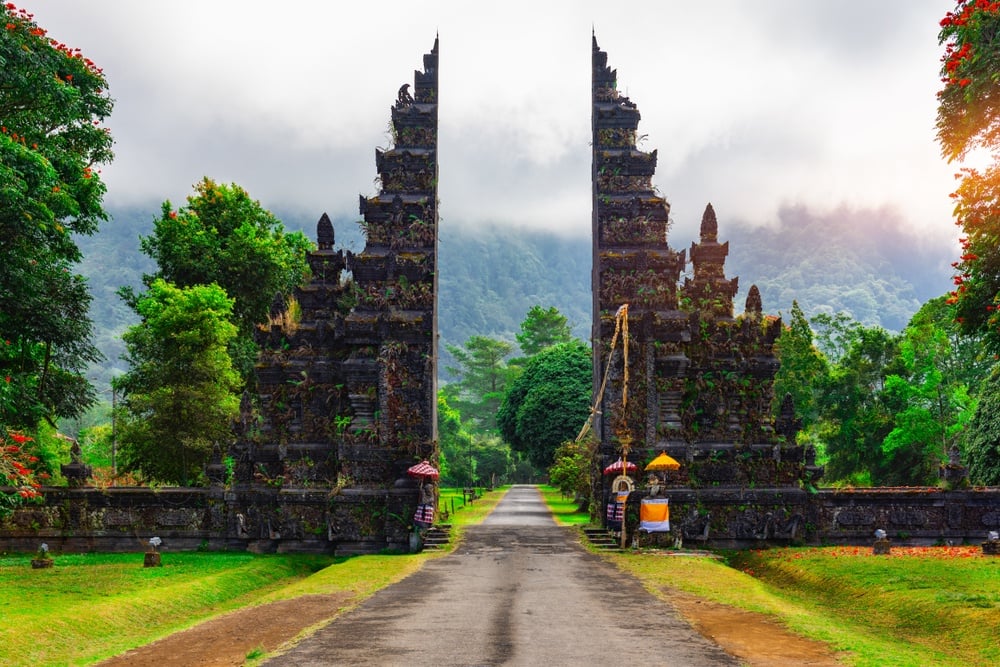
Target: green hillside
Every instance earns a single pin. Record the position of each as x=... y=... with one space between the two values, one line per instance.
x=868 y=266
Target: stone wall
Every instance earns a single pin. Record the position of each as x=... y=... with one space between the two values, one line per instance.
x=302 y=520
x=753 y=518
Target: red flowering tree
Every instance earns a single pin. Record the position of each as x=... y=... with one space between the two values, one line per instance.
x=969 y=120
x=18 y=481
x=52 y=103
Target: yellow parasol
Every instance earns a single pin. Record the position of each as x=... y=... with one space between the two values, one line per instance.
x=663 y=462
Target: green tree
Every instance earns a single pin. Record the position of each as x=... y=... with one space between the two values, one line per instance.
x=835 y=334
x=854 y=415
x=968 y=120
x=542 y=328
x=548 y=403
x=52 y=104
x=570 y=469
x=223 y=236
x=455 y=443
x=467 y=458
x=494 y=460
x=803 y=368
x=179 y=398
x=482 y=375
x=982 y=441
x=930 y=398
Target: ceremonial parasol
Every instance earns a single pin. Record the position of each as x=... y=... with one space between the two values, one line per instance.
x=617 y=466
x=663 y=462
x=423 y=469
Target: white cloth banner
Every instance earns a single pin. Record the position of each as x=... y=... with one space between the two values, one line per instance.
x=654 y=515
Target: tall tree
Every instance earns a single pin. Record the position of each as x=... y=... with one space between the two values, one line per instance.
x=179 y=398
x=570 y=469
x=854 y=414
x=455 y=443
x=968 y=120
x=542 y=328
x=548 y=403
x=481 y=377
x=929 y=397
x=982 y=441
x=835 y=334
x=52 y=104
x=223 y=236
x=468 y=459
x=802 y=370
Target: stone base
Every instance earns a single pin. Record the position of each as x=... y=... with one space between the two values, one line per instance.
x=41 y=563
x=881 y=547
x=991 y=548
x=152 y=559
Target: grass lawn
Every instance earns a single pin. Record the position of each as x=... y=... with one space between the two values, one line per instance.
x=96 y=605
x=919 y=606
x=92 y=606
x=564 y=509
x=916 y=606
x=468 y=512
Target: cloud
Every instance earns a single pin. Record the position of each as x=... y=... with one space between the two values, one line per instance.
x=751 y=105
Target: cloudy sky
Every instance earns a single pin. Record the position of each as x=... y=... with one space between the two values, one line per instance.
x=753 y=105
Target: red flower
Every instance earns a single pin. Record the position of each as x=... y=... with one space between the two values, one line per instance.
x=964 y=82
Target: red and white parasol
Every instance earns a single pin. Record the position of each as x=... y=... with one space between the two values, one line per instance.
x=616 y=467
x=423 y=469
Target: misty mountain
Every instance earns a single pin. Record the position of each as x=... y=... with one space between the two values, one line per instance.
x=111 y=260
x=864 y=263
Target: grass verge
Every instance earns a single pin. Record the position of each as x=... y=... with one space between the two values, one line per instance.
x=93 y=606
x=938 y=605
x=563 y=508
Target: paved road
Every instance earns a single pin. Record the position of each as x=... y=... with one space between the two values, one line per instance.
x=519 y=590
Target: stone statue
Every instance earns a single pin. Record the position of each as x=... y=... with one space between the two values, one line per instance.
x=403 y=98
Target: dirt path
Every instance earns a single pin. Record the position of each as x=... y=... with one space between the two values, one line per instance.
x=225 y=641
x=754 y=638
x=519 y=591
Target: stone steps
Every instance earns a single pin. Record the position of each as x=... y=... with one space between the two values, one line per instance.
x=600 y=538
x=437 y=536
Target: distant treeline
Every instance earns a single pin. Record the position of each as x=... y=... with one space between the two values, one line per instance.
x=863 y=263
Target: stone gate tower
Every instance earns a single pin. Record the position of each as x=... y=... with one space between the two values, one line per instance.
x=700 y=380
x=347 y=375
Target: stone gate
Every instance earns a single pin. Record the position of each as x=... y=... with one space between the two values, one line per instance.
x=346 y=385
x=700 y=380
